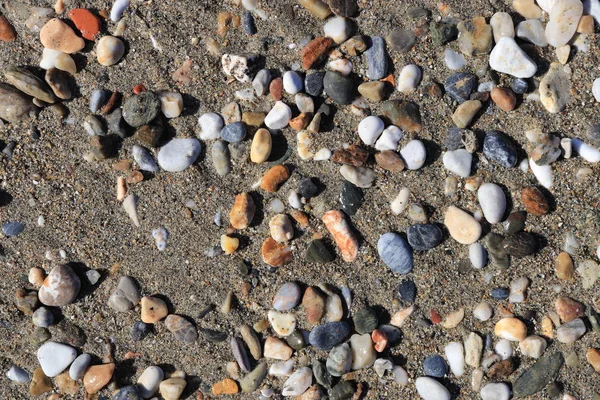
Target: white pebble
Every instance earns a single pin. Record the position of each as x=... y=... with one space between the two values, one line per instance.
x=430 y=389
x=276 y=206
x=400 y=375
x=454 y=60
x=338 y=29
x=507 y=57
x=567 y=147
x=342 y=65
x=595 y=89
x=483 y=311
x=504 y=349
x=414 y=154
x=55 y=357
x=524 y=165
x=292 y=82
x=409 y=78
x=587 y=152
x=389 y=138
x=118 y=9
x=517 y=290
x=533 y=346
x=160 y=236
x=564 y=17
x=495 y=391
x=400 y=203
x=49 y=58
x=294 y=199
x=261 y=81
x=543 y=173
x=493 y=202
x=305 y=103
x=571 y=243
x=41 y=221
x=171 y=103
x=279 y=116
x=210 y=126
x=477 y=255
x=18 y=375
x=502 y=25
x=486 y=86
x=458 y=162
x=322 y=155
x=532 y=30
x=369 y=129
x=456 y=357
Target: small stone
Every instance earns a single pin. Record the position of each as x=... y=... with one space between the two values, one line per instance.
x=28 y=83
x=534 y=201
x=473 y=349
x=462 y=226
x=459 y=86
x=359 y=176
x=249 y=24
x=518 y=289
x=543 y=173
x=403 y=114
x=298 y=382
x=520 y=244
x=353 y=155
x=569 y=309
x=86 y=22
x=60 y=287
x=296 y=340
x=12 y=228
x=401 y=40
x=15 y=105
x=241 y=67
x=507 y=57
x=502 y=25
x=390 y=161
x=292 y=82
x=261 y=146
x=140 y=109
x=342 y=234
x=253 y=379
x=277 y=349
x=458 y=162
x=287 y=297
x=314 y=51
x=500 y=293
x=275 y=254
x=80 y=366
x=171 y=389
x=171 y=103
x=504 y=98
x=593 y=357
x=143 y=159
x=210 y=125
x=499 y=148
x=338 y=29
x=414 y=154
x=313 y=82
x=532 y=30
x=527 y=8
x=240 y=354
x=370 y=129
x=442 y=32
x=511 y=329
x=181 y=328
x=430 y=389
x=178 y=154
x=564 y=18
x=587 y=152
x=330 y=334
x=537 y=377
x=477 y=255
x=59 y=83
x=98 y=376
x=555 y=88
x=423 y=237
x=533 y=346
x=109 y=51
x=281 y=228
x=354 y=46
x=18 y=375
x=283 y=324
x=519 y=86
x=242 y=212
x=395 y=253
x=339 y=360
x=409 y=78
x=564 y=266
x=313 y=303
x=126 y=295
x=456 y=359
x=454 y=60
x=7 y=31
x=495 y=391
x=274 y=178
x=492 y=201
x=435 y=366
x=377 y=59
x=43 y=317
x=149 y=381
x=40 y=383
x=475 y=37
x=130 y=392
x=365 y=320
x=341 y=89
x=54 y=358
x=389 y=138
x=317 y=252
x=464 y=113
x=57 y=35
x=363 y=353
x=153 y=309
x=322 y=376
x=571 y=331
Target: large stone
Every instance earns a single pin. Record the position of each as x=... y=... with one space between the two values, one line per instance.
x=60 y=287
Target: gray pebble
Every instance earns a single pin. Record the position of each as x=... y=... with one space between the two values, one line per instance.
x=240 y=353
x=98 y=99
x=395 y=253
x=93 y=276
x=221 y=158
x=144 y=159
x=79 y=366
x=12 y=228
x=234 y=132
x=42 y=317
x=126 y=295
x=140 y=109
x=377 y=59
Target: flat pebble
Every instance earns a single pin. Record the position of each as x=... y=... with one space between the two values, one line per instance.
x=555 y=88
x=182 y=329
x=571 y=331
x=363 y=353
x=424 y=236
x=483 y=311
x=17 y=374
x=538 y=376
x=543 y=173
x=143 y=159
x=57 y=35
x=55 y=357
x=492 y=201
x=80 y=366
x=462 y=226
x=477 y=255
x=178 y=154
x=117 y=10
x=495 y=391
x=458 y=162
x=330 y=334
x=435 y=366
x=430 y=389
x=377 y=59
x=43 y=317
x=126 y=296
x=507 y=57
x=564 y=17
x=395 y=253
x=283 y=324
x=460 y=85
x=313 y=83
x=502 y=25
x=456 y=359
x=500 y=148
x=149 y=381
x=287 y=297
x=298 y=382
x=12 y=228
x=389 y=138
x=511 y=329
x=454 y=60
x=532 y=30
x=369 y=129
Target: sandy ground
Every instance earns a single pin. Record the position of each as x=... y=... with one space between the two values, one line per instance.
x=49 y=177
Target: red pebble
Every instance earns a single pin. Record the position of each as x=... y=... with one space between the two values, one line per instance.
x=276 y=89
x=435 y=317
x=87 y=23
x=137 y=89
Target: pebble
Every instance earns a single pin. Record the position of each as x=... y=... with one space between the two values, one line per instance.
x=520 y=244
x=511 y=329
x=43 y=317
x=86 y=22
x=341 y=89
x=473 y=349
x=519 y=86
x=537 y=377
x=430 y=389
x=281 y=228
x=534 y=201
x=283 y=324
x=12 y=228
x=555 y=89
x=7 y=31
x=504 y=349
x=330 y=334
x=261 y=146
x=28 y=83
x=495 y=391
x=275 y=254
x=532 y=30
x=533 y=346
x=401 y=40
x=500 y=293
x=458 y=162
x=211 y=125
x=460 y=85
x=80 y=366
x=369 y=129
x=140 y=109
x=365 y=320
x=130 y=392
x=409 y=78
x=178 y=154
x=298 y=382
x=221 y=158
x=464 y=113
x=98 y=376
x=143 y=159
x=593 y=357
x=462 y=226
x=93 y=126
x=313 y=83
x=342 y=234
x=116 y=12
x=477 y=255
x=213 y=336
x=172 y=388
x=261 y=81
x=149 y=381
x=17 y=374
x=296 y=340
x=14 y=105
x=363 y=353
x=240 y=354
x=492 y=201
x=181 y=328
x=564 y=266
x=500 y=148
x=502 y=25
x=40 y=383
x=277 y=349
x=414 y=154
x=292 y=82
x=59 y=83
x=279 y=116
x=249 y=24
x=60 y=287
x=504 y=98
x=507 y=57
x=400 y=375
x=423 y=237
x=483 y=311
x=569 y=309
x=443 y=32
x=282 y=368
x=475 y=36
x=109 y=50
x=171 y=103
x=253 y=380
x=57 y=35
x=322 y=376
x=126 y=296
x=389 y=138
x=377 y=59
x=317 y=252
x=338 y=28
x=456 y=359
x=55 y=357
x=287 y=297
x=238 y=66
x=403 y=114
x=587 y=152
x=339 y=360
x=153 y=309
x=564 y=18
x=543 y=173
x=395 y=253
x=454 y=60
x=518 y=287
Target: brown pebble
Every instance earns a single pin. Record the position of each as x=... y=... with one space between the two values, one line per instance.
x=300 y=217
x=40 y=383
x=275 y=254
x=57 y=35
x=314 y=305
x=7 y=31
x=586 y=24
x=274 y=178
x=435 y=317
x=66 y=385
x=353 y=155
x=242 y=212
x=314 y=50
x=226 y=386
x=276 y=89
x=593 y=357
x=564 y=266
x=301 y=121
x=223 y=20
x=254 y=119
x=139 y=88
x=389 y=160
x=122 y=165
x=504 y=98
x=501 y=370
x=111 y=103
x=569 y=309
x=433 y=90
x=135 y=177
x=97 y=376
x=534 y=201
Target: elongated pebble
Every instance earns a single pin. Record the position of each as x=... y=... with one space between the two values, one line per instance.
x=409 y=78
x=395 y=253
x=118 y=9
x=477 y=255
x=543 y=173
x=343 y=236
x=587 y=152
x=462 y=226
x=492 y=201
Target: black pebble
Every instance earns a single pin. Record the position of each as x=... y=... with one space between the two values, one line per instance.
x=460 y=86
x=407 y=290
x=519 y=86
x=249 y=25
x=313 y=83
x=307 y=188
x=500 y=293
x=351 y=198
x=139 y=331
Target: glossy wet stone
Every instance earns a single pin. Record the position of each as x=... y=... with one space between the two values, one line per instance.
x=515 y=222
x=424 y=236
x=407 y=290
x=435 y=366
x=339 y=88
x=500 y=148
x=365 y=320
x=213 y=335
x=351 y=197
x=325 y=336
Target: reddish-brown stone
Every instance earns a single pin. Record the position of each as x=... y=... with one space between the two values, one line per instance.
x=7 y=31
x=86 y=21
x=276 y=89
x=314 y=50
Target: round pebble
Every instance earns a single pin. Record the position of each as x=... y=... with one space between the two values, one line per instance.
x=395 y=253
x=287 y=297
x=110 y=50
x=292 y=82
x=178 y=154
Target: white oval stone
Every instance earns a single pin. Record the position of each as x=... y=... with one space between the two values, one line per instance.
x=462 y=226
x=492 y=201
x=596 y=89
x=587 y=152
x=477 y=255
x=495 y=391
x=283 y=324
x=458 y=162
x=363 y=352
x=483 y=311
x=55 y=357
x=80 y=366
x=456 y=357
x=532 y=30
x=261 y=81
x=502 y=26
x=400 y=202
x=18 y=375
x=543 y=173
x=369 y=129
x=292 y=82
x=110 y=50
x=504 y=349
x=304 y=103
x=414 y=154
x=360 y=176
x=400 y=375
x=282 y=368
x=118 y=9
x=564 y=18
x=149 y=381
x=453 y=59
x=279 y=116
x=210 y=126
x=409 y=78
x=338 y=29
x=389 y=138
x=171 y=103
x=430 y=389
x=298 y=383
x=507 y=57
x=179 y=154
x=341 y=65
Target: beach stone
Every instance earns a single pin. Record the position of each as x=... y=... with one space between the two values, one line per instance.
x=86 y=22
x=493 y=202
x=181 y=328
x=211 y=125
x=533 y=346
x=261 y=146
x=80 y=366
x=460 y=85
x=534 y=201
x=287 y=297
x=456 y=359
x=407 y=290
x=464 y=113
x=518 y=289
x=377 y=59
x=423 y=237
x=172 y=388
x=500 y=293
x=454 y=60
x=409 y=78
x=477 y=255
x=344 y=8
x=363 y=353
x=515 y=222
x=365 y=320
x=28 y=83
x=66 y=385
x=149 y=381
x=240 y=354
x=495 y=391
x=57 y=35
x=292 y=82
x=338 y=28
x=126 y=296
x=475 y=37
x=369 y=129
x=352 y=155
x=296 y=340
x=403 y=114
x=40 y=383
x=253 y=379
x=519 y=86
x=242 y=212
x=511 y=329
x=593 y=357
x=395 y=253
x=564 y=18
x=500 y=148
x=59 y=83
x=390 y=161
x=435 y=366
x=261 y=81
x=55 y=357
x=98 y=376
x=279 y=116
x=140 y=109
x=12 y=228
x=275 y=254
x=42 y=317
x=313 y=303
x=298 y=382
x=504 y=98
x=143 y=159
x=564 y=266
x=60 y=287
x=115 y=124
x=153 y=309
x=555 y=89
x=18 y=375
x=277 y=349
x=213 y=336
x=178 y=154
x=458 y=162
x=571 y=331
x=7 y=31
x=520 y=244
x=414 y=154
x=389 y=138
x=171 y=103
x=502 y=25
x=443 y=32
x=336 y=223
x=322 y=376
x=339 y=360
x=130 y=392
x=507 y=57
x=15 y=105
x=354 y=46
x=341 y=89
x=330 y=334
x=569 y=309
x=313 y=82
x=462 y=226
x=276 y=89
x=430 y=389
x=109 y=50
x=317 y=252
x=532 y=30
x=535 y=379
x=241 y=67
x=314 y=51
x=473 y=348
x=401 y=40
x=283 y=324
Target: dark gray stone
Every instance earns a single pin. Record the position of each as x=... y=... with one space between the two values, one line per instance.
x=500 y=148
x=519 y=85
x=342 y=391
x=401 y=40
x=515 y=222
x=365 y=320
x=341 y=89
x=377 y=59
x=351 y=197
x=240 y=353
x=325 y=336
x=317 y=252
x=128 y=393
x=249 y=24
x=307 y=188
x=139 y=330
x=212 y=335
x=544 y=371
x=407 y=290
x=454 y=138
x=424 y=236
x=435 y=366
x=234 y=132
x=140 y=109
x=296 y=340
x=460 y=85
x=500 y=293
x=344 y=8
x=322 y=376
x=442 y=32
x=313 y=83
x=395 y=253
x=115 y=123
x=521 y=244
